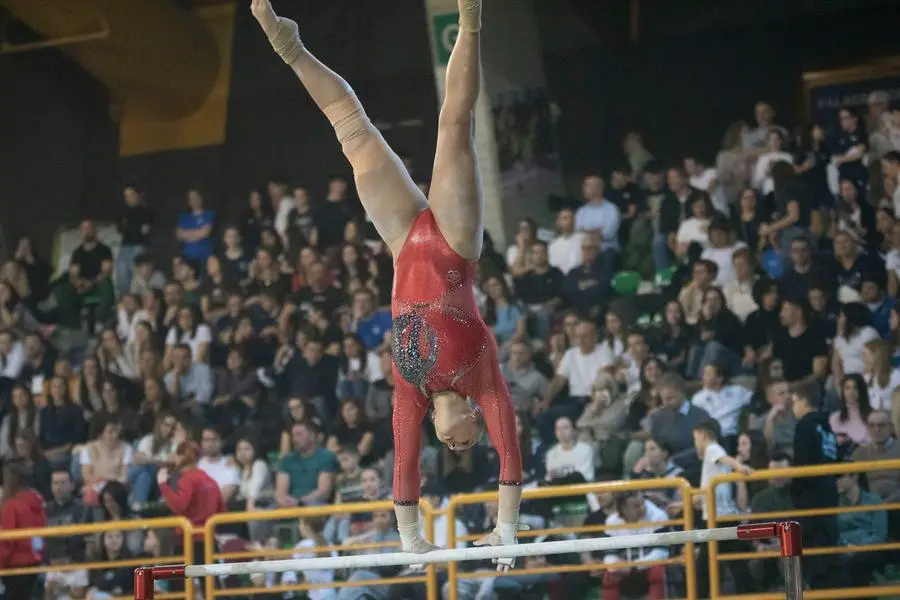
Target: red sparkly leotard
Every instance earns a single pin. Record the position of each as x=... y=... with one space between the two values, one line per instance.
x=441 y=343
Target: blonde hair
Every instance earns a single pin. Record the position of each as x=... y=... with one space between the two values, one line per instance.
x=881 y=361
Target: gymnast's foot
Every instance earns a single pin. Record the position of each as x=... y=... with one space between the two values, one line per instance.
x=265 y=14
x=419 y=545
x=282 y=32
x=470 y=15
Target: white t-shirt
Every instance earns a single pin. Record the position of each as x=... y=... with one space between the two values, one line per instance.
x=202 y=336
x=850 y=350
x=704 y=180
x=880 y=397
x=693 y=230
x=762 y=179
x=222 y=470
x=724 y=406
x=580 y=369
x=84 y=459
x=577 y=459
x=892 y=260
x=145 y=447
x=723 y=259
x=564 y=253
x=725 y=504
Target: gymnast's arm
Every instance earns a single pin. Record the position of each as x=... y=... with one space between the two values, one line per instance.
x=500 y=419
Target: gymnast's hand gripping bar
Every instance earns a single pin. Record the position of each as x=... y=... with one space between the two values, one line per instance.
x=787 y=533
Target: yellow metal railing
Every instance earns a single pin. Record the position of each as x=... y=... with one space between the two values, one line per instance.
x=546 y=493
x=212 y=556
x=87 y=529
x=793 y=473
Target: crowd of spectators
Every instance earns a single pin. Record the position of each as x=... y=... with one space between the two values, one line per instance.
x=683 y=320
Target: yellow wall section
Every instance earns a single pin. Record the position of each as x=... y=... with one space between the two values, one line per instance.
x=204 y=127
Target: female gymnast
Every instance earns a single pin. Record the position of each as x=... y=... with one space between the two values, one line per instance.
x=444 y=354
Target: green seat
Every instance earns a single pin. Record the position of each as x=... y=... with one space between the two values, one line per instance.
x=664 y=276
x=626 y=283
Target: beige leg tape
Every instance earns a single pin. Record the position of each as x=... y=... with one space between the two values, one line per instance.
x=360 y=141
x=286 y=40
x=470 y=15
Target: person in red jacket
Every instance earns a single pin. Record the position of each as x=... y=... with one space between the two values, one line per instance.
x=190 y=492
x=22 y=508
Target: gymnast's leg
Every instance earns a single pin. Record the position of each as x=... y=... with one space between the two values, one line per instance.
x=455 y=197
x=385 y=188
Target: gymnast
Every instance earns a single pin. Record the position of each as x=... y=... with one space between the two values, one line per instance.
x=445 y=357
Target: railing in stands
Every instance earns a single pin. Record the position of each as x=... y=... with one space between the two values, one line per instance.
x=715 y=557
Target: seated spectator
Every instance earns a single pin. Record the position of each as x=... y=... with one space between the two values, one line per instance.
x=540 y=287
x=146 y=278
x=12 y=360
x=62 y=425
x=719 y=337
x=154 y=450
x=586 y=285
x=753 y=451
x=739 y=291
x=305 y=476
x=602 y=419
x=307 y=372
x=189 y=383
x=352 y=428
x=115 y=408
x=89 y=284
x=747 y=219
x=187 y=272
x=774 y=152
x=673 y=340
x=238 y=393
x=801 y=271
x=116 y=364
x=39 y=468
x=39 y=361
x=879 y=304
x=64 y=508
x=311 y=537
x=849 y=422
x=564 y=252
x=519 y=255
x=104 y=459
x=114 y=507
x=722 y=402
x=297 y=410
x=656 y=463
x=650 y=582
x=763 y=325
x=220 y=468
x=641 y=407
x=776 y=496
x=801 y=345
x=21 y=416
x=883 y=446
x=463 y=471
x=255 y=487
x=695 y=229
x=569 y=461
x=189 y=330
x=526 y=384
x=503 y=315
x=532 y=450
x=579 y=368
x=600 y=218
x=37 y=270
x=703 y=273
x=674 y=423
x=369 y=324
x=854 y=330
x=861 y=528
x=65 y=584
x=613 y=340
x=154 y=404
x=778 y=423
x=22 y=508
x=358 y=368
x=851 y=265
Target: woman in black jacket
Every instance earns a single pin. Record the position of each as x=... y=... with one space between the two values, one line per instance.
x=718 y=337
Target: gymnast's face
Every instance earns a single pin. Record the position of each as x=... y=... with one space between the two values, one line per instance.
x=457 y=425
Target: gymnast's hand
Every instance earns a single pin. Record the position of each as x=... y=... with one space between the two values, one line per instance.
x=265 y=14
x=495 y=539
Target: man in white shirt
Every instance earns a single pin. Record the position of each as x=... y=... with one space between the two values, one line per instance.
x=723 y=402
x=578 y=368
x=221 y=469
x=700 y=176
x=12 y=357
x=565 y=249
x=569 y=461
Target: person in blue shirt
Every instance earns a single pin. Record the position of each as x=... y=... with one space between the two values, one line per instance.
x=503 y=315
x=881 y=305
x=369 y=324
x=195 y=229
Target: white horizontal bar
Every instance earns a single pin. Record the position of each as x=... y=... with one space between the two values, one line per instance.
x=389 y=559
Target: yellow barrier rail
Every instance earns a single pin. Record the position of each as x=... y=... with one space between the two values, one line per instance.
x=546 y=493
x=99 y=528
x=307 y=512
x=794 y=473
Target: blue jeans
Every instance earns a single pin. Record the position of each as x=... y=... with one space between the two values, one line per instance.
x=660 y=250
x=125 y=267
x=141 y=479
x=704 y=353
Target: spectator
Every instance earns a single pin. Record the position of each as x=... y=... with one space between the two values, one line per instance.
x=599 y=218
x=369 y=324
x=540 y=287
x=21 y=417
x=189 y=330
x=145 y=278
x=301 y=230
x=739 y=291
x=37 y=270
x=703 y=273
x=189 y=383
x=802 y=272
x=305 y=476
x=860 y=528
x=503 y=315
x=721 y=250
x=881 y=377
x=849 y=422
x=14 y=314
x=890 y=164
x=154 y=450
x=220 y=468
x=879 y=304
x=29 y=452
x=676 y=207
x=850 y=149
x=253 y=472
x=579 y=367
x=564 y=252
x=695 y=228
x=195 y=229
x=114 y=507
x=674 y=337
x=855 y=216
x=702 y=177
x=22 y=508
x=636 y=152
x=104 y=459
x=883 y=446
x=776 y=496
x=190 y=492
x=722 y=402
x=586 y=286
x=569 y=461
x=719 y=337
x=793 y=205
x=656 y=463
x=134 y=226
x=62 y=425
x=352 y=428
x=731 y=169
x=526 y=384
x=237 y=393
x=801 y=345
x=12 y=360
x=747 y=219
x=763 y=172
x=518 y=256
x=674 y=423
x=632 y=507
x=89 y=284
x=63 y=508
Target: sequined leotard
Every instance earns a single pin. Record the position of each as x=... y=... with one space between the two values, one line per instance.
x=441 y=343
